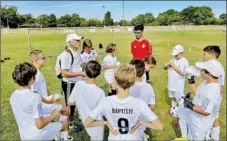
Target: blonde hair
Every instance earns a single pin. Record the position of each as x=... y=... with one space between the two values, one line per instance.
x=125 y=76
x=34 y=54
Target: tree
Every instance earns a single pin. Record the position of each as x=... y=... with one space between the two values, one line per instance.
x=145 y=19
x=108 y=21
x=94 y=22
x=126 y=23
x=43 y=20
x=75 y=20
x=52 y=21
x=9 y=16
x=222 y=18
x=83 y=22
x=65 y=20
x=169 y=17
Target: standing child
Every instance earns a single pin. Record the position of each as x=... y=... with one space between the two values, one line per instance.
x=110 y=64
x=27 y=109
x=142 y=90
x=123 y=111
x=150 y=62
x=88 y=53
x=87 y=96
x=176 y=73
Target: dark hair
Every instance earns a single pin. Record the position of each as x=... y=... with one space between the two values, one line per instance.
x=209 y=73
x=213 y=49
x=23 y=73
x=86 y=43
x=138 y=27
x=150 y=60
x=92 y=69
x=140 y=67
x=111 y=48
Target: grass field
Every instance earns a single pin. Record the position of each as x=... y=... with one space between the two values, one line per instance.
x=15 y=45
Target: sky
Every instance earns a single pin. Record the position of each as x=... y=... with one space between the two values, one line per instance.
x=94 y=9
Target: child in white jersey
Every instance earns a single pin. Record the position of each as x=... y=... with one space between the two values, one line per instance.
x=88 y=53
x=27 y=109
x=142 y=90
x=120 y=111
x=110 y=64
x=87 y=96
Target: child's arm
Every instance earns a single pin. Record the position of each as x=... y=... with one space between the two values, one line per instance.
x=90 y=122
x=152 y=107
x=109 y=66
x=41 y=122
x=51 y=101
x=177 y=69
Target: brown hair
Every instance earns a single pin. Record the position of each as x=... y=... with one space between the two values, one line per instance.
x=150 y=60
x=111 y=48
x=87 y=43
x=125 y=76
x=140 y=67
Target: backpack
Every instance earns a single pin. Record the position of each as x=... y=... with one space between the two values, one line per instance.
x=58 y=63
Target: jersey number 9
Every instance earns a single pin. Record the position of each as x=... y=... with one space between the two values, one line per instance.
x=123 y=125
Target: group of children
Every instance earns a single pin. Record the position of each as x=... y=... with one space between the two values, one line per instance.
x=129 y=107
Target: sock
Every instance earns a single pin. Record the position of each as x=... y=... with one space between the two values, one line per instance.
x=63 y=118
x=64 y=135
x=215 y=133
x=72 y=110
x=147 y=75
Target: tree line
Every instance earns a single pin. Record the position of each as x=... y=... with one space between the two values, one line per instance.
x=195 y=15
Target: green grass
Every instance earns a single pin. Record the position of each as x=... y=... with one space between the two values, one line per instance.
x=15 y=45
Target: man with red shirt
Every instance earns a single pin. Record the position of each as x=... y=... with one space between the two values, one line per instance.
x=141 y=47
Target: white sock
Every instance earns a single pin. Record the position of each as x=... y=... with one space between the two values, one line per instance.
x=64 y=134
x=63 y=118
x=215 y=133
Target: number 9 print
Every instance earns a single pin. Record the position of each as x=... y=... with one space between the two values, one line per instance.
x=123 y=125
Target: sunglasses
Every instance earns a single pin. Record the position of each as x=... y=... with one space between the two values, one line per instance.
x=44 y=58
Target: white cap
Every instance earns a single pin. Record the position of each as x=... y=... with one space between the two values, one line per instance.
x=177 y=49
x=73 y=36
x=211 y=66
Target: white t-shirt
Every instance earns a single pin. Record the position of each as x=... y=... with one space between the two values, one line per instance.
x=208 y=97
x=143 y=91
x=27 y=106
x=123 y=114
x=144 y=77
x=66 y=60
x=109 y=73
x=176 y=81
x=88 y=57
x=40 y=86
x=87 y=97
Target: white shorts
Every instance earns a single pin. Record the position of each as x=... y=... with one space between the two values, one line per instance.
x=176 y=95
x=51 y=130
x=48 y=108
x=96 y=138
x=130 y=137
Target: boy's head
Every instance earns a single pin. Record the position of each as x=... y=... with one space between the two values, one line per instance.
x=138 y=31
x=209 y=69
x=92 y=69
x=87 y=45
x=125 y=76
x=151 y=61
x=38 y=57
x=211 y=52
x=24 y=74
x=140 y=67
x=177 y=51
x=111 y=48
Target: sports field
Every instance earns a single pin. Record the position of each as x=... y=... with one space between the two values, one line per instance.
x=14 y=44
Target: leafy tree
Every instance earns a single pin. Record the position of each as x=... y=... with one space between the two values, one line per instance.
x=94 y=22
x=43 y=20
x=75 y=20
x=83 y=22
x=143 y=19
x=108 y=21
x=65 y=20
x=52 y=21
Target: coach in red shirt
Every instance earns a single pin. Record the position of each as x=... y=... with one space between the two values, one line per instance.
x=141 y=47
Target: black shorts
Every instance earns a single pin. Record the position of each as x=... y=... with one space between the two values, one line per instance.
x=67 y=89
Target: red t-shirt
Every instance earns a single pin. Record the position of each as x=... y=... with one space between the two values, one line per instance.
x=141 y=49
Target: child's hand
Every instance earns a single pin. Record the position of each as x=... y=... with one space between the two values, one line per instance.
x=133 y=129
x=55 y=113
x=83 y=74
x=112 y=130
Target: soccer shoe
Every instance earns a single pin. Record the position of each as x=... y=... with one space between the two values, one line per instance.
x=181 y=139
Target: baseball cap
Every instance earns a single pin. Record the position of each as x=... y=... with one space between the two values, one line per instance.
x=177 y=49
x=211 y=66
x=74 y=36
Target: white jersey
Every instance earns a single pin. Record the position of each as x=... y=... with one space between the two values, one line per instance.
x=143 y=91
x=66 y=60
x=123 y=114
x=87 y=97
x=27 y=106
x=40 y=86
x=176 y=81
x=144 y=77
x=88 y=57
x=208 y=97
x=109 y=73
